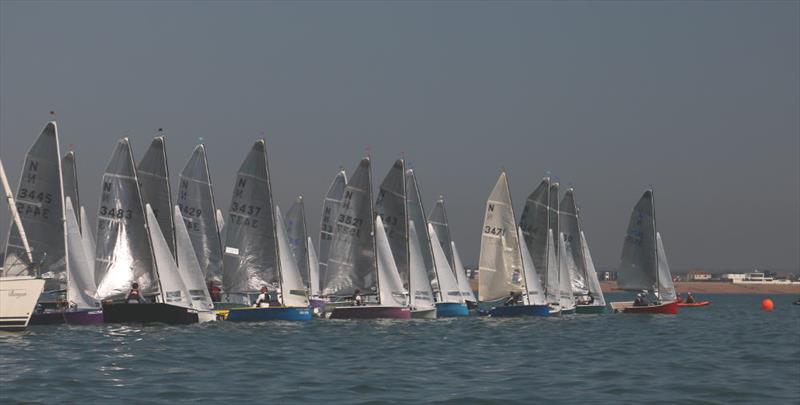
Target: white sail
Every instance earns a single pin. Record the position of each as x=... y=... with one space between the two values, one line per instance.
x=352 y=263
x=461 y=275
x=200 y=215
x=448 y=285
x=123 y=254
x=419 y=288
x=391 y=207
x=666 y=289
x=571 y=229
x=551 y=288
x=40 y=205
x=328 y=219
x=313 y=269
x=188 y=267
x=87 y=238
x=153 y=175
x=534 y=292
x=535 y=221
x=69 y=173
x=80 y=272
x=566 y=299
x=220 y=221
x=296 y=231
x=251 y=251
x=500 y=263
x=293 y=290
x=391 y=292
x=591 y=275
x=174 y=290
x=638 y=267
x=438 y=218
x=416 y=213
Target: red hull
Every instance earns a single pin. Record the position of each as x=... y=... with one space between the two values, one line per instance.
x=371 y=312
x=669 y=308
x=694 y=304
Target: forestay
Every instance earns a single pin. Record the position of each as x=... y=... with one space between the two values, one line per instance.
x=535 y=221
x=123 y=254
x=296 y=231
x=174 y=290
x=352 y=262
x=416 y=213
x=251 y=251
x=69 y=172
x=571 y=229
x=200 y=215
x=40 y=204
x=638 y=267
x=153 y=174
x=534 y=293
x=420 y=292
x=500 y=264
x=438 y=218
x=293 y=291
x=391 y=292
x=591 y=275
x=461 y=275
x=81 y=288
x=391 y=207
x=666 y=289
x=448 y=285
x=328 y=220
x=188 y=266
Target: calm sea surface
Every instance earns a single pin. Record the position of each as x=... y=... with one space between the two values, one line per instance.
x=730 y=352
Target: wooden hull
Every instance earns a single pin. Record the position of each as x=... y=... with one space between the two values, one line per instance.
x=18 y=297
x=451 y=309
x=149 y=313
x=80 y=317
x=268 y=314
x=371 y=312
x=667 y=308
x=590 y=309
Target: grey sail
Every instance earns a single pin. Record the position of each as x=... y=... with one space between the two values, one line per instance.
x=313 y=268
x=594 y=283
x=500 y=262
x=461 y=275
x=188 y=265
x=199 y=212
x=571 y=231
x=551 y=286
x=69 y=173
x=391 y=206
x=123 y=253
x=553 y=221
x=535 y=221
x=416 y=213
x=251 y=250
x=638 y=267
x=153 y=174
x=666 y=288
x=352 y=262
x=81 y=288
x=534 y=294
x=296 y=232
x=328 y=219
x=40 y=204
x=566 y=298
x=438 y=219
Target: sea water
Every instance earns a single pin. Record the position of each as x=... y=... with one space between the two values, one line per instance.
x=729 y=352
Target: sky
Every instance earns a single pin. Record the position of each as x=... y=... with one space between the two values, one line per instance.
x=701 y=100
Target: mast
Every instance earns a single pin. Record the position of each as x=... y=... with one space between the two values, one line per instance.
x=425 y=229
x=14 y=214
x=374 y=240
x=519 y=251
x=655 y=239
x=274 y=223
x=580 y=232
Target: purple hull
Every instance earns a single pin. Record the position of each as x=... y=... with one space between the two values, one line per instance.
x=317 y=302
x=81 y=317
x=371 y=312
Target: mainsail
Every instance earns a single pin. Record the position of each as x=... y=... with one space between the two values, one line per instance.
x=251 y=251
x=81 y=288
x=40 y=204
x=296 y=231
x=173 y=289
x=200 y=214
x=313 y=269
x=391 y=207
x=188 y=266
x=500 y=264
x=352 y=262
x=448 y=285
x=390 y=286
x=638 y=269
x=534 y=292
x=461 y=275
x=591 y=275
x=566 y=299
x=535 y=221
x=571 y=230
x=438 y=218
x=328 y=220
x=416 y=213
x=666 y=289
x=69 y=172
x=153 y=175
x=293 y=291
x=419 y=288
x=123 y=255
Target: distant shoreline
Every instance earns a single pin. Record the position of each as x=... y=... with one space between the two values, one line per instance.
x=718 y=287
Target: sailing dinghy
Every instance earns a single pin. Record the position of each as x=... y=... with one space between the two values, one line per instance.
x=304 y=253
x=585 y=284
x=503 y=285
x=438 y=222
x=257 y=250
x=360 y=261
x=643 y=266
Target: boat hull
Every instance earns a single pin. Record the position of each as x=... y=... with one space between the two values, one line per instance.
x=520 y=310
x=429 y=313
x=590 y=309
x=371 y=312
x=268 y=314
x=80 y=317
x=149 y=313
x=568 y=311
x=18 y=297
x=626 y=307
x=694 y=304
x=451 y=309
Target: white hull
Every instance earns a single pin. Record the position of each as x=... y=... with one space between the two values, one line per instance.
x=18 y=297
x=206 y=316
x=428 y=313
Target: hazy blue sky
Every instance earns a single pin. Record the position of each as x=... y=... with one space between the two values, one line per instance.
x=700 y=99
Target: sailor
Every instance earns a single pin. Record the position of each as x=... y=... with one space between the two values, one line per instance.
x=214 y=292
x=263 y=299
x=587 y=299
x=358 y=300
x=690 y=298
x=134 y=295
x=511 y=300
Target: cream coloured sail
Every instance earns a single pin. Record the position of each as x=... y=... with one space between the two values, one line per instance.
x=419 y=289
x=448 y=285
x=666 y=288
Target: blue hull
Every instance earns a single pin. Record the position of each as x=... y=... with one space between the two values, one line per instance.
x=269 y=314
x=451 y=309
x=520 y=310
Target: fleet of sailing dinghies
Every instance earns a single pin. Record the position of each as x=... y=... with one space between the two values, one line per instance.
x=503 y=287
x=184 y=262
x=643 y=266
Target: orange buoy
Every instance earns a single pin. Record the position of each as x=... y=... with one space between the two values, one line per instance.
x=767 y=304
